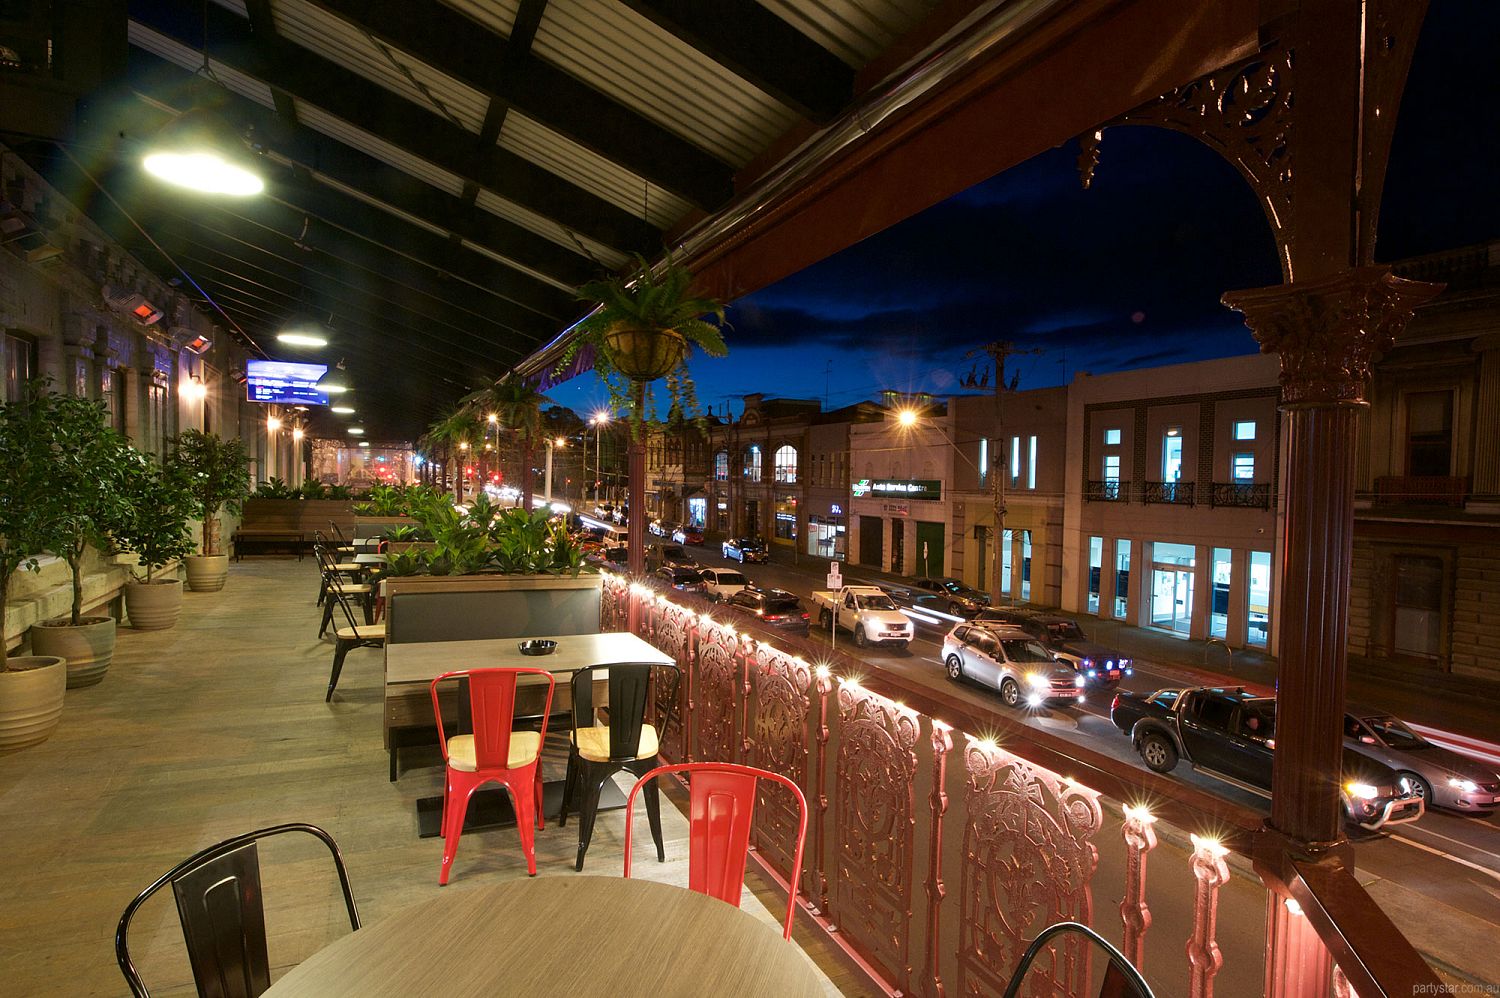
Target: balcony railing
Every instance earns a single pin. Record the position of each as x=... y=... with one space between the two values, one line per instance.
x=1106 y=491
x=943 y=837
x=1181 y=493
x=1421 y=490
x=1241 y=494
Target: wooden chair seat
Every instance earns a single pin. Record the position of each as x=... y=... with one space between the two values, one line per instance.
x=360 y=632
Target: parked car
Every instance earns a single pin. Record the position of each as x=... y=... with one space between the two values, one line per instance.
x=660 y=553
x=1230 y=735
x=745 y=549
x=1011 y=661
x=776 y=607
x=658 y=528
x=612 y=554
x=722 y=583
x=867 y=612
x=1443 y=778
x=688 y=534
x=681 y=578
x=955 y=597
x=1099 y=665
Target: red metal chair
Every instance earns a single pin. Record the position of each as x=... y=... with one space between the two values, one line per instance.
x=493 y=752
x=721 y=810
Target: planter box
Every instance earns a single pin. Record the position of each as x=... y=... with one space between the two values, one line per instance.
x=464 y=607
x=374 y=526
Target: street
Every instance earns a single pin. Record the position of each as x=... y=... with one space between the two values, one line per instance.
x=1437 y=878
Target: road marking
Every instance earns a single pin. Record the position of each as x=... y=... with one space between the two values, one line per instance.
x=1448 y=856
x=1457 y=842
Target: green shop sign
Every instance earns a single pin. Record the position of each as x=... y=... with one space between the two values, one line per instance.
x=921 y=488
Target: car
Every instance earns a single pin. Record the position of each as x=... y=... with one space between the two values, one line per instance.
x=722 y=583
x=745 y=550
x=659 y=553
x=1443 y=778
x=612 y=554
x=658 y=528
x=1099 y=665
x=954 y=597
x=1011 y=661
x=681 y=578
x=688 y=534
x=777 y=607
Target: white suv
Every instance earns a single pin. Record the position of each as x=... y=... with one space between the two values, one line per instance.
x=723 y=583
x=1011 y=661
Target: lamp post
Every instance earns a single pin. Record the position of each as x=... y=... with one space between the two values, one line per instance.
x=599 y=421
x=552 y=443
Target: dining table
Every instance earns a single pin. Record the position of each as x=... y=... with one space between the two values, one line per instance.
x=564 y=934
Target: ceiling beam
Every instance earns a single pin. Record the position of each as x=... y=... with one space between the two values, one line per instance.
x=474 y=55
x=522 y=34
x=263 y=24
x=757 y=46
x=394 y=119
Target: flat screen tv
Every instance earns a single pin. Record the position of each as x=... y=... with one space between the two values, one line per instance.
x=284 y=381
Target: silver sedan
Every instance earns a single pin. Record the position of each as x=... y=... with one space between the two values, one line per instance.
x=1443 y=778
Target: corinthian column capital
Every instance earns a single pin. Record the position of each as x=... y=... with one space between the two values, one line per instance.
x=1328 y=332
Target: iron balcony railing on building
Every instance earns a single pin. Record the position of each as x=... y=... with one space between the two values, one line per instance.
x=1106 y=491
x=943 y=836
x=1181 y=493
x=1421 y=490
x=1241 y=494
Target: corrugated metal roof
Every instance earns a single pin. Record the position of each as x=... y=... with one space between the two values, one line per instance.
x=548 y=229
x=592 y=172
x=360 y=195
x=159 y=45
x=854 y=30
x=639 y=65
x=497 y=15
x=518 y=265
x=337 y=40
x=338 y=128
x=238 y=6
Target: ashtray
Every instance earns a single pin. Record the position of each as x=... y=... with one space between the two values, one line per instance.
x=538 y=646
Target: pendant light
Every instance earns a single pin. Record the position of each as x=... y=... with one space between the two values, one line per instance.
x=335 y=381
x=200 y=151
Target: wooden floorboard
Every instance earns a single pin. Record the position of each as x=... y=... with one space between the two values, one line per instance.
x=216 y=727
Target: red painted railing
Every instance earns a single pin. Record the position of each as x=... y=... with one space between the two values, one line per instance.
x=942 y=840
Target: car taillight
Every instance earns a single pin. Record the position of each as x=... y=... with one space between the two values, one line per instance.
x=772 y=616
x=804 y=616
x=1113 y=703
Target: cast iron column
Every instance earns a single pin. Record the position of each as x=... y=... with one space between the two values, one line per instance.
x=635 y=532
x=1327 y=333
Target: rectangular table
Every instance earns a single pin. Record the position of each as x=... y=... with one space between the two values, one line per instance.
x=410 y=668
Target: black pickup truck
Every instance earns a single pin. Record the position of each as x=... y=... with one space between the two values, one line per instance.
x=1230 y=734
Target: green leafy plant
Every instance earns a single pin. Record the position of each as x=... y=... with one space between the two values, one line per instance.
x=403 y=532
x=412 y=561
x=215 y=472
x=275 y=488
x=460 y=546
x=531 y=542
x=155 y=529
x=24 y=479
x=645 y=327
x=327 y=492
x=516 y=405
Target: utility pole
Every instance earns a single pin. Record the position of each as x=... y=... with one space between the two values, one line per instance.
x=999 y=461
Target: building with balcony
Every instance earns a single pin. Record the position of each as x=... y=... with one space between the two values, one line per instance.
x=1171 y=516
x=677 y=469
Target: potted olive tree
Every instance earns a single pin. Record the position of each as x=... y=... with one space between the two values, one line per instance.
x=155 y=530
x=217 y=475
x=31 y=686
x=87 y=464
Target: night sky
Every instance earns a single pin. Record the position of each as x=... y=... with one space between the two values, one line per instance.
x=1127 y=274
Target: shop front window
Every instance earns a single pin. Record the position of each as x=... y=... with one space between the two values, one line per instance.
x=1218 y=611
x=1122 y=578
x=1258 y=602
x=785 y=464
x=785 y=527
x=698 y=512
x=752 y=464
x=1096 y=563
x=825 y=538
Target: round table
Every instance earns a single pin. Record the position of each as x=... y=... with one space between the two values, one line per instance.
x=565 y=935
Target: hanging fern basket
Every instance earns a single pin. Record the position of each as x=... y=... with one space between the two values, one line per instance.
x=644 y=354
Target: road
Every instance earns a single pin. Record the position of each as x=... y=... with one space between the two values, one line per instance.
x=1437 y=878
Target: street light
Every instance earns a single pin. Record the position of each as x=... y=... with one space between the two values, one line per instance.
x=599 y=421
x=552 y=443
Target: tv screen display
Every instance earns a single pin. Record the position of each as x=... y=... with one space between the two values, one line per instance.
x=284 y=381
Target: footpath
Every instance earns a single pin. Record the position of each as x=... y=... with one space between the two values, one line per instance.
x=1471 y=719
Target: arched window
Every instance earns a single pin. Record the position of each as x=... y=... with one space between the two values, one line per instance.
x=752 y=463
x=785 y=464
x=721 y=466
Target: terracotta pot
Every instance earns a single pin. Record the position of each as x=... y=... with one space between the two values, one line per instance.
x=153 y=606
x=88 y=646
x=644 y=354
x=31 y=700
x=206 y=572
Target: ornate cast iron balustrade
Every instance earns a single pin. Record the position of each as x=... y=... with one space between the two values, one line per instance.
x=943 y=838
x=1179 y=493
x=1240 y=494
x=1421 y=490
x=1107 y=491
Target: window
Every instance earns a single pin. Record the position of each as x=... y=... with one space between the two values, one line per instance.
x=1171 y=454
x=984 y=463
x=1031 y=465
x=1112 y=438
x=721 y=466
x=1258 y=600
x=1111 y=467
x=1243 y=467
x=1215 y=712
x=752 y=464
x=1015 y=458
x=19 y=358
x=1429 y=434
x=1418 y=604
x=1122 y=577
x=1244 y=429
x=1096 y=566
x=785 y=463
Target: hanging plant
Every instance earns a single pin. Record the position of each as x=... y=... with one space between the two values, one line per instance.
x=644 y=329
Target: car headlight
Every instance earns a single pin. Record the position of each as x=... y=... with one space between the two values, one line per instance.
x=1467 y=786
x=1110 y=664
x=1093 y=672
x=1078 y=681
x=1363 y=791
x=1038 y=680
x=1087 y=662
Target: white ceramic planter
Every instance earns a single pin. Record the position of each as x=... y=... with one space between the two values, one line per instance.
x=206 y=572
x=89 y=646
x=31 y=700
x=153 y=606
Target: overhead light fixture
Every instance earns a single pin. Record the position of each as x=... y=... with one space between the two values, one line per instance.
x=357 y=431
x=342 y=410
x=196 y=389
x=200 y=151
x=273 y=423
x=364 y=443
x=298 y=433
x=335 y=381
x=299 y=339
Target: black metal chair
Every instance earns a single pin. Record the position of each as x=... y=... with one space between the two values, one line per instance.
x=331 y=567
x=220 y=905
x=598 y=752
x=349 y=635
x=1121 y=979
x=334 y=581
